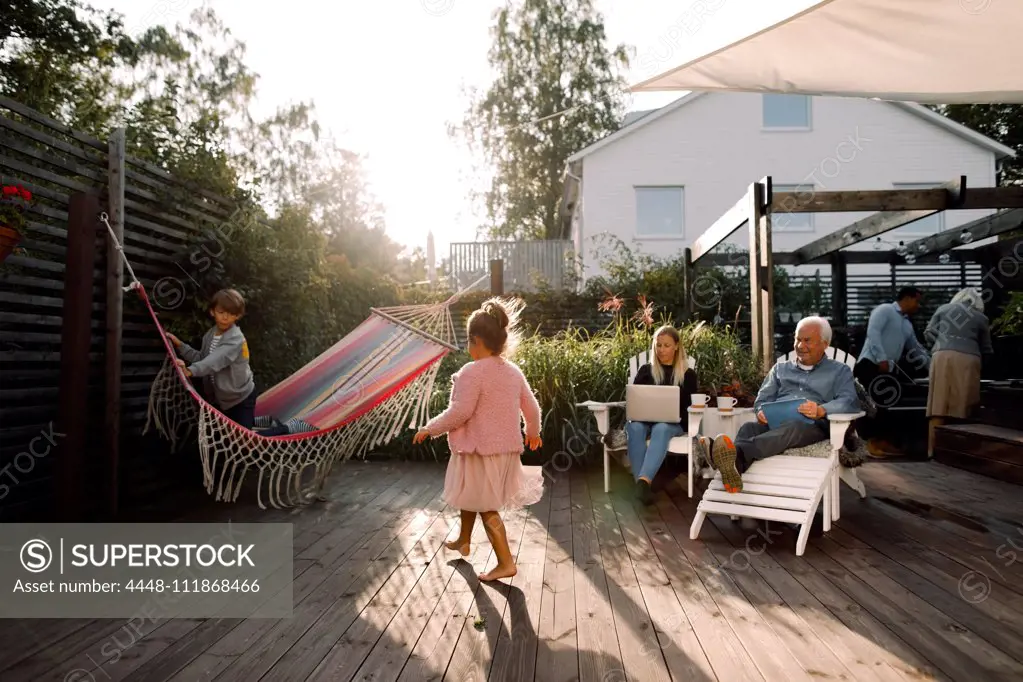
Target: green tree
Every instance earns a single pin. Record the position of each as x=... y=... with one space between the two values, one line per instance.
x=1002 y=122
x=309 y=251
x=558 y=88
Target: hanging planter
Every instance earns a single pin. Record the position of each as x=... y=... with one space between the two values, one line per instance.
x=13 y=202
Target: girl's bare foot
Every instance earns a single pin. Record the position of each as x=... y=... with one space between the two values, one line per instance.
x=499 y=572
x=458 y=546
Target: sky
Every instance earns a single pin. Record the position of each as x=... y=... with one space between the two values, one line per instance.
x=387 y=77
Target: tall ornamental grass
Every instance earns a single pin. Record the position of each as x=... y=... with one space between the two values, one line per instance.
x=574 y=366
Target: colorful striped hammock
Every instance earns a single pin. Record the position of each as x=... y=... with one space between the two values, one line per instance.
x=357 y=395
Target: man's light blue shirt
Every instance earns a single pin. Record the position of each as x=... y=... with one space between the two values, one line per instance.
x=889 y=334
x=829 y=383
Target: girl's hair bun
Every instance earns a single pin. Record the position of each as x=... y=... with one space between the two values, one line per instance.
x=495 y=324
x=497 y=311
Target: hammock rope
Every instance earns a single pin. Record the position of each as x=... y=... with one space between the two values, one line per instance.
x=358 y=395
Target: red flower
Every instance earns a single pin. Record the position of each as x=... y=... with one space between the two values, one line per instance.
x=645 y=314
x=612 y=303
x=17 y=191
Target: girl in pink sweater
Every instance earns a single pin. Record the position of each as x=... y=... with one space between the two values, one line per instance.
x=485 y=473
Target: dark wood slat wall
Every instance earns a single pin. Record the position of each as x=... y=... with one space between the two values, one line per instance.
x=164 y=217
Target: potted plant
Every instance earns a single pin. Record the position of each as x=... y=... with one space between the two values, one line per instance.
x=13 y=202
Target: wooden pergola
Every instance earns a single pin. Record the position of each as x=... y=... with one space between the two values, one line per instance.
x=892 y=209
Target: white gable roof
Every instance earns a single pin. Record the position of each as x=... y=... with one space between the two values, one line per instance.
x=646 y=118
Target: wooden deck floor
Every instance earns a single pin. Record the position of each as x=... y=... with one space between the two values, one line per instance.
x=920 y=581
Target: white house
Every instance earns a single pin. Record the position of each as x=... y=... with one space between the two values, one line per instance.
x=661 y=180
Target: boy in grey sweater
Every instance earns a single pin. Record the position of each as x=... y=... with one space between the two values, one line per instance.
x=223 y=362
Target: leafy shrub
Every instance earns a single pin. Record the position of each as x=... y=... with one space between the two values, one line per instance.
x=1010 y=322
x=574 y=366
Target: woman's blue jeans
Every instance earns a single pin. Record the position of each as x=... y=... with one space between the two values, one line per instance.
x=644 y=459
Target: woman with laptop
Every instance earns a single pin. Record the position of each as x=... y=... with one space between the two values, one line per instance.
x=669 y=368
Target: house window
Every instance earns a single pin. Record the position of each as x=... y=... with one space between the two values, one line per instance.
x=786 y=112
x=660 y=212
x=932 y=224
x=791 y=222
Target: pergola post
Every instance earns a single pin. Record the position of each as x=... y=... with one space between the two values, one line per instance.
x=767 y=279
x=761 y=269
x=688 y=278
x=839 y=312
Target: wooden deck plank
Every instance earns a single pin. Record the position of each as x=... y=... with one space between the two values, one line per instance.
x=865 y=659
x=859 y=622
x=600 y=656
x=949 y=617
x=432 y=653
x=308 y=572
x=171 y=653
x=607 y=590
x=99 y=644
x=725 y=652
x=324 y=579
x=915 y=633
x=977 y=501
x=515 y=655
x=557 y=657
x=1002 y=604
x=334 y=648
x=978 y=553
x=474 y=649
x=368 y=564
x=87 y=639
x=735 y=560
x=765 y=648
x=641 y=657
x=411 y=622
x=677 y=641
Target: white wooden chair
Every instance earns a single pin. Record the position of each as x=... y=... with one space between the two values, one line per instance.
x=787 y=488
x=680 y=445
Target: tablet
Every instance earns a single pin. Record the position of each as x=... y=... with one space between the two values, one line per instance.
x=781 y=411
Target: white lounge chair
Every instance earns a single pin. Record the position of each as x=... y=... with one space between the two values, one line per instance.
x=787 y=488
x=680 y=445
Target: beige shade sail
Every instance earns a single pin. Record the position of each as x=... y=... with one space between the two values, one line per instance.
x=928 y=51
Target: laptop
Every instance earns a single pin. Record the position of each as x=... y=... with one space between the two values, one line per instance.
x=646 y=403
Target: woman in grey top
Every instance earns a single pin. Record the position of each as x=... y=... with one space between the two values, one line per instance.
x=959 y=334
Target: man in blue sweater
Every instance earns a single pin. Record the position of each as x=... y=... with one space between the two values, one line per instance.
x=890 y=336
x=827 y=387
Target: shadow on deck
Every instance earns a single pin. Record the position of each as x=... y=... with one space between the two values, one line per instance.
x=919 y=581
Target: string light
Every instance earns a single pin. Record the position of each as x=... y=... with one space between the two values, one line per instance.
x=910 y=258
x=966 y=237
x=944 y=258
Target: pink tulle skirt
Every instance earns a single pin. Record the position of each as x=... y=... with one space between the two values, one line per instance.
x=483 y=483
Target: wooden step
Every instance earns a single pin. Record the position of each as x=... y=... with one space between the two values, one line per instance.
x=994 y=451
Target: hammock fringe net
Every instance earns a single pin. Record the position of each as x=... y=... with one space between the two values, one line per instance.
x=365 y=407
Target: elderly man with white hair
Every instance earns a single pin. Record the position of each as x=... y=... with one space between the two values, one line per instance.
x=826 y=387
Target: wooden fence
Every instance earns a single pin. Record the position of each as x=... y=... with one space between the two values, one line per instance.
x=93 y=387
x=528 y=265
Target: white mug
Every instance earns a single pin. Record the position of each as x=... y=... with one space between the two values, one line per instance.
x=700 y=400
x=726 y=403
